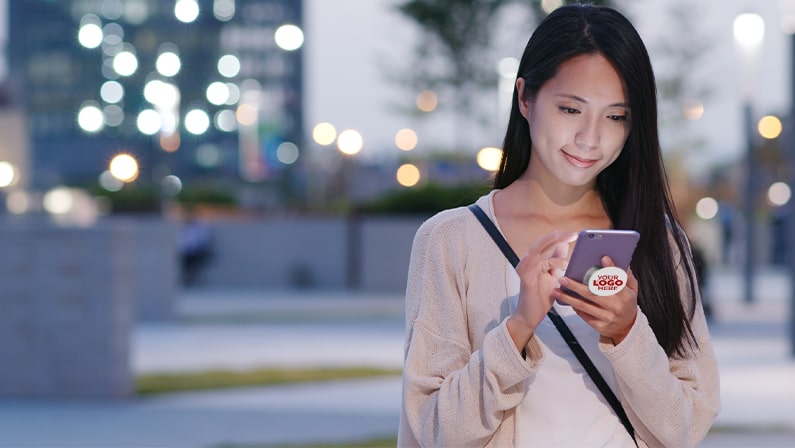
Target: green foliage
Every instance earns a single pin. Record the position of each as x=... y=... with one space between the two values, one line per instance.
x=206 y=195
x=147 y=198
x=427 y=199
x=133 y=199
x=172 y=382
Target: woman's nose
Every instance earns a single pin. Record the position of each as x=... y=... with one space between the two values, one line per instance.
x=587 y=136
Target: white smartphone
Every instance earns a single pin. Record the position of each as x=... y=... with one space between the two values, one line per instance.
x=593 y=244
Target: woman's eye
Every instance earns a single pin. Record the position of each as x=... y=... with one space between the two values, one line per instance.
x=617 y=117
x=568 y=110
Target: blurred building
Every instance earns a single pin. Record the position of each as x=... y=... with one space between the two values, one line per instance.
x=188 y=87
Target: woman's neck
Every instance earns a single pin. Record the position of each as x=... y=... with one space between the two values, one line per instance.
x=527 y=195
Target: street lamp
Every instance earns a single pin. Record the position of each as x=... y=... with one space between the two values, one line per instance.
x=787 y=10
x=749 y=31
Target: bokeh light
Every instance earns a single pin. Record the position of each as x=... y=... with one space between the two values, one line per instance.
x=550 y=5
x=18 y=202
x=225 y=120
x=186 y=11
x=197 y=121
x=90 y=118
x=90 y=35
x=170 y=142
x=324 y=133
x=692 y=110
x=234 y=93
x=114 y=115
x=171 y=185
x=707 y=208
x=162 y=94
x=228 y=66
x=168 y=64
x=148 y=121
x=125 y=63
x=749 y=29
x=350 y=142
x=287 y=153
x=224 y=10
x=408 y=175
x=406 y=139
x=58 y=201
x=289 y=37
x=109 y=182
x=217 y=93
x=769 y=127
x=124 y=167
x=111 y=92
x=427 y=101
x=489 y=158
x=779 y=194
x=246 y=114
x=7 y=174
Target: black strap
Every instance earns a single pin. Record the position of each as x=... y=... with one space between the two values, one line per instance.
x=563 y=329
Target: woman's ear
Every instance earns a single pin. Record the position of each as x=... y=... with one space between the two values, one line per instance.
x=524 y=102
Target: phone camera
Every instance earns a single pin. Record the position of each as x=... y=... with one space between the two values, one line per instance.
x=591 y=236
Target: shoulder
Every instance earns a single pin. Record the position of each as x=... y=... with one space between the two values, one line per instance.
x=452 y=225
x=446 y=220
x=452 y=231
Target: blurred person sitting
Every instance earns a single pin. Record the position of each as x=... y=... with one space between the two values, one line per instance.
x=195 y=248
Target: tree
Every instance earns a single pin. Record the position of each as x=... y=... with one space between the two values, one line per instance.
x=453 y=52
x=456 y=37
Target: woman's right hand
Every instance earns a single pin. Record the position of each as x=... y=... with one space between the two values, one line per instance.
x=539 y=271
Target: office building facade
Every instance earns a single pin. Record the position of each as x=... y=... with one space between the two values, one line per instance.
x=193 y=88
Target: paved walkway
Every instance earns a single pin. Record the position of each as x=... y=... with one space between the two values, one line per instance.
x=239 y=329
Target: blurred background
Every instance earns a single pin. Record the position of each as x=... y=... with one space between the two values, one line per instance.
x=203 y=199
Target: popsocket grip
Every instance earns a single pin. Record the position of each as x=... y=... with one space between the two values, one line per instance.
x=606 y=281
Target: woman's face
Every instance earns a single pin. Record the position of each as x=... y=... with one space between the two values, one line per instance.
x=579 y=121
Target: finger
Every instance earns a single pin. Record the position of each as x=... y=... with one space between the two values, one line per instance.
x=561 y=249
x=607 y=261
x=558 y=263
x=548 y=244
x=574 y=285
x=554 y=267
x=577 y=302
x=632 y=281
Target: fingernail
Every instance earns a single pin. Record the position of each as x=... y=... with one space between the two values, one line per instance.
x=563 y=281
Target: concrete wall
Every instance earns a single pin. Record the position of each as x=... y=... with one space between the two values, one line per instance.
x=67 y=306
x=70 y=297
x=156 y=265
x=370 y=253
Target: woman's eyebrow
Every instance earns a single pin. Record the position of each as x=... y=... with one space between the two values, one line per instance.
x=583 y=100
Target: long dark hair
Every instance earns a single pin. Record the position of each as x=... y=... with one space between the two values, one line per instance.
x=634 y=189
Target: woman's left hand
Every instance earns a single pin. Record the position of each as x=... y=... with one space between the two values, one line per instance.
x=611 y=316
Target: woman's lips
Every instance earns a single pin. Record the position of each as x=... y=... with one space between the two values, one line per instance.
x=578 y=162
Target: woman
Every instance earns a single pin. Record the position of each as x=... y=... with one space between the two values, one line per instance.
x=483 y=364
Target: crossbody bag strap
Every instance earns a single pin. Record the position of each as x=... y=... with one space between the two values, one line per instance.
x=561 y=326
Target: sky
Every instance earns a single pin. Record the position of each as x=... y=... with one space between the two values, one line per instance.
x=351 y=44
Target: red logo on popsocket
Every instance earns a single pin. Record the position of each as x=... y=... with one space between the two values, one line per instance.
x=607 y=281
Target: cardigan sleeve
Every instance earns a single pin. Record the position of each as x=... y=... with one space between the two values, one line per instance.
x=671 y=401
x=453 y=394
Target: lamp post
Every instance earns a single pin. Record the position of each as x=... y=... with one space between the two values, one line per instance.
x=749 y=31
x=787 y=21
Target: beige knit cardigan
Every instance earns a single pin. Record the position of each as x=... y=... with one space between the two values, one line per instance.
x=463 y=377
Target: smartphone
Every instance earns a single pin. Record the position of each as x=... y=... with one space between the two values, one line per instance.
x=592 y=245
